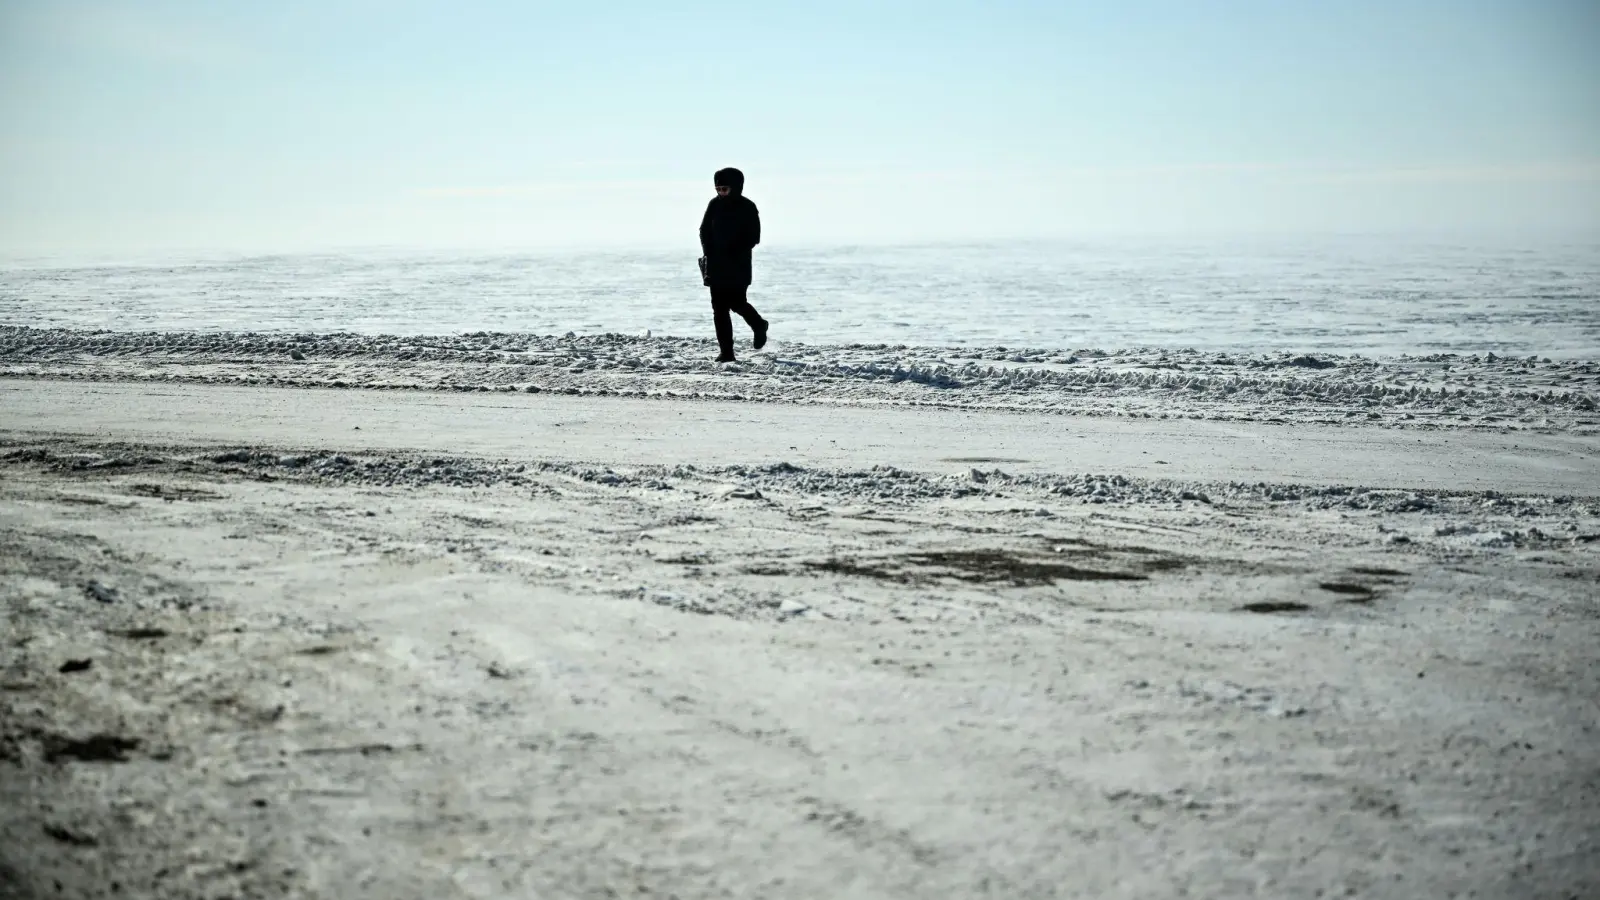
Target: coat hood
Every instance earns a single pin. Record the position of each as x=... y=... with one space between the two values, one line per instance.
x=733 y=178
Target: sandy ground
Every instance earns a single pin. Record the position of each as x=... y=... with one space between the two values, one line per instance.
x=268 y=641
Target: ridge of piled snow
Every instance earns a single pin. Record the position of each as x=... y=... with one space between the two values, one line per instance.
x=1439 y=390
x=1468 y=518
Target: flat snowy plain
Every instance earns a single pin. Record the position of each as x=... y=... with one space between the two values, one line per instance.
x=500 y=615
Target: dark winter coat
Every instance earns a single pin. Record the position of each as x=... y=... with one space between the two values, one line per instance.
x=729 y=232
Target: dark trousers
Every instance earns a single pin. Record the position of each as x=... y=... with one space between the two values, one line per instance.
x=726 y=299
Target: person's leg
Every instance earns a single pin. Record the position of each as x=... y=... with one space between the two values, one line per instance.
x=740 y=303
x=723 y=323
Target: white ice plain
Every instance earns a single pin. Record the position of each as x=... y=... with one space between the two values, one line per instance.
x=506 y=615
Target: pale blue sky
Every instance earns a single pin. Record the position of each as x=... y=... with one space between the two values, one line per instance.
x=289 y=124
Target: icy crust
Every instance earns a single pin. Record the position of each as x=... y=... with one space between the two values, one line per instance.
x=1438 y=390
x=1450 y=520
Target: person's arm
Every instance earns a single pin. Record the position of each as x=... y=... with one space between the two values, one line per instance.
x=755 y=225
x=705 y=231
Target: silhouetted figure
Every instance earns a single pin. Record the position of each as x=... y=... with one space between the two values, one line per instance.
x=729 y=233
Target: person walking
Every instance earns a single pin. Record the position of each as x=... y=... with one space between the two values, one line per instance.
x=729 y=232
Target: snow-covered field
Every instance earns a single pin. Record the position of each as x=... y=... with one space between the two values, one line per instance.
x=1377 y=295
x=1436 y=390
x=490 y=615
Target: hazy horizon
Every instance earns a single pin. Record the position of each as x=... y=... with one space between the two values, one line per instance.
x=185 y=126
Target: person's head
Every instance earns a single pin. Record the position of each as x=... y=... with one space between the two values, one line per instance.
x=729 y=182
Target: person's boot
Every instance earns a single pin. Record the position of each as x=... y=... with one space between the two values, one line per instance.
x=760 y=335
x=725 y=357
